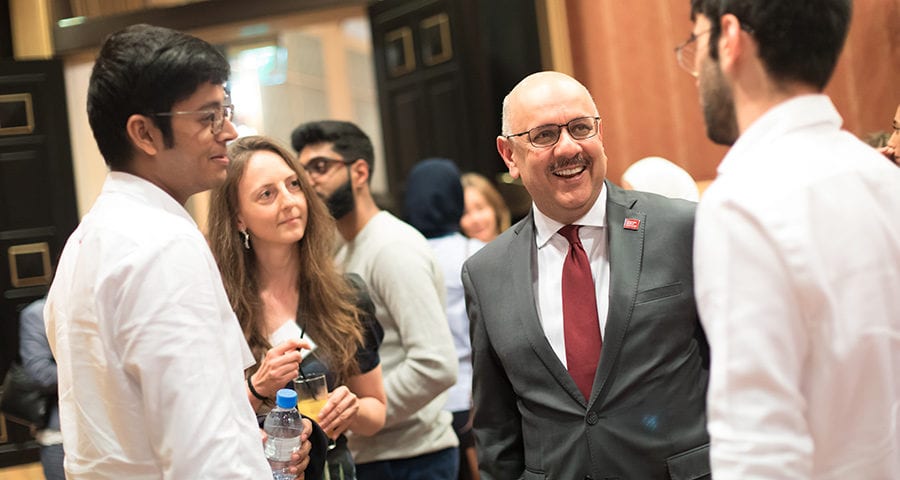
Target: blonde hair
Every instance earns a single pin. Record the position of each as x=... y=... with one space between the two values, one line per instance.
x=325 y=297
x=493 y=197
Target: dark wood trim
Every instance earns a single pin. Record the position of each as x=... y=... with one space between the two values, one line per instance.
x=92 y=32
x=6 y=47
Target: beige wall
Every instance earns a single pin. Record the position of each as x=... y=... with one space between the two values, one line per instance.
x=88 y=166
x=623 y=53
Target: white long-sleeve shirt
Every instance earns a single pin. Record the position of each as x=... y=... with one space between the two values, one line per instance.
x=451 y=251
x=149 y=353
x=797 y=268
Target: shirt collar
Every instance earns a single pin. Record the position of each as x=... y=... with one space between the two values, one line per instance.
x=545 y=226
x=145 y=191
x=798 y=112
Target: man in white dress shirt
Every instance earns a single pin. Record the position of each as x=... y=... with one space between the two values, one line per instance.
x=796 y=254
x=150 y=355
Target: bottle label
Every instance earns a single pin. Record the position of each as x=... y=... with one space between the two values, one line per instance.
x=280 y=449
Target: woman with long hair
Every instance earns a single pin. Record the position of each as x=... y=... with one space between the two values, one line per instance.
x=273 y=240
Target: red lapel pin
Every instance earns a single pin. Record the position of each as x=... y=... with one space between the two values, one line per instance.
x=632 y=224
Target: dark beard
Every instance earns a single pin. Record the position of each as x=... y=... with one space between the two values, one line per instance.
x=718 y=105
x=341 y=201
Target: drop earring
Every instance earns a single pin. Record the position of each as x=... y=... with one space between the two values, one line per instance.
x=246 y=239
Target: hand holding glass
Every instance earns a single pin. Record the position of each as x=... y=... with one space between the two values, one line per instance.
x=312 y=394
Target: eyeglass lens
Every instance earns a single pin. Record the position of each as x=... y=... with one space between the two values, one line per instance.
x=222 y=114
x=579 y=128
x=687 y=55
x=320 y=166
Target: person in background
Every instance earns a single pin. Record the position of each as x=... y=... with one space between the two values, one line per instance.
x=893 y=142
x=660 y=176
x=797 y=252
x=589 y=360
x=434 y=205
x=407 y=287
x=38 y=362
x=273 y=239
x=150 y=354
x=486 y=214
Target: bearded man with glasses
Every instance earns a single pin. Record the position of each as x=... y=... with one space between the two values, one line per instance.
x=589 y=360
x=797 y=257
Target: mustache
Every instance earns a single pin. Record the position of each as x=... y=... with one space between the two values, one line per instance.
x=577 y=161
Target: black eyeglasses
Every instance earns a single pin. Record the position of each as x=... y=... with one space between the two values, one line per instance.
x=686 y=53
x=215 y=116
x=581 y=128
x=321 y=165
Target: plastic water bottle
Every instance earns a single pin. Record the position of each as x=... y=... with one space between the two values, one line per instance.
x=283 y=427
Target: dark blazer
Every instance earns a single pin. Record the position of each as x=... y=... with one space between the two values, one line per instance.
x=646 y=417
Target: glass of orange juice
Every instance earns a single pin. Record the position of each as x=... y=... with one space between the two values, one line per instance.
x=312 y=393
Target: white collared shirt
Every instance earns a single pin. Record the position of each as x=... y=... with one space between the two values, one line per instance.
x=797 y=271
x=149 y=353
x=552 y=249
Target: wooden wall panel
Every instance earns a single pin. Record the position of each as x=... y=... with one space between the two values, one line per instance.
x=624 y=53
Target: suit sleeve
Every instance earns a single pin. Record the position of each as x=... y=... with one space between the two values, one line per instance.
x=497 y=422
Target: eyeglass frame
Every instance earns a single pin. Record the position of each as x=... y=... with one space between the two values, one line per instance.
x=222 y=113
x=559 y=126
x=679 y=50
x=329 y=161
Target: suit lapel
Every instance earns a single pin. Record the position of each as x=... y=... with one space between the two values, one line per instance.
x=626 y=248
x=521 y=275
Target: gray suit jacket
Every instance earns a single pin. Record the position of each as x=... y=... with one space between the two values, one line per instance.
x=645 y=419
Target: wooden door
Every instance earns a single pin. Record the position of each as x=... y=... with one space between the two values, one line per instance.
x=442 y=69
x=37 y=207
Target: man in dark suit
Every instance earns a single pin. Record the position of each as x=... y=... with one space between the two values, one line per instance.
x=589 y=359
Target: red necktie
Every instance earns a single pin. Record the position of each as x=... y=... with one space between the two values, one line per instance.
x=581 y=326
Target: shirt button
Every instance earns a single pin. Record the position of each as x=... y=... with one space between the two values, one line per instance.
x=592 y=418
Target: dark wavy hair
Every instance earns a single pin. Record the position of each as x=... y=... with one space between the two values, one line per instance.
x=144 y=70
x=325 y=297
x=799 y=40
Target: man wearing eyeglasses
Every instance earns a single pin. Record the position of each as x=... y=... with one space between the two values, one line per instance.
x=418 y=356
x=589 y=360
x=797 y=253
x=150 y=355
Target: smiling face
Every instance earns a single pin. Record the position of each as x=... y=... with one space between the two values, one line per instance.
x=271 y=204
x=479 y=219
x=565 y=179
x=195 y=161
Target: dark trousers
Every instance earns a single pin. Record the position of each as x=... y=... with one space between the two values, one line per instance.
x=52 y=462
x=463 y=429
x=440 y=465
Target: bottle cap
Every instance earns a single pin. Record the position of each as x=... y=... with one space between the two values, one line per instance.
x=286 y=398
